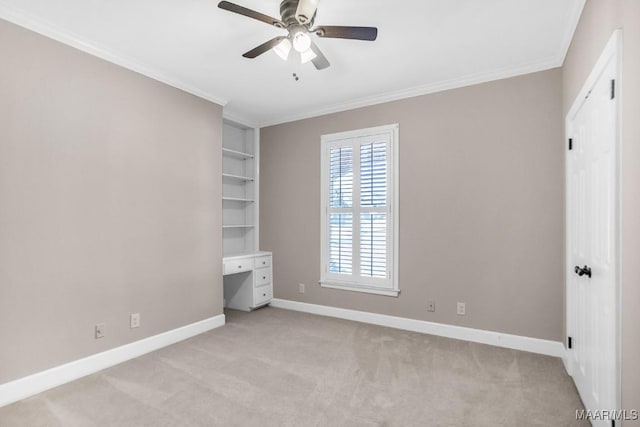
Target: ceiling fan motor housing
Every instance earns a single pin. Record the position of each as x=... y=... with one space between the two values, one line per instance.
x=288 y=10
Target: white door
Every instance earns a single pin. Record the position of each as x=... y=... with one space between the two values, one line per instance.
x=592 y=241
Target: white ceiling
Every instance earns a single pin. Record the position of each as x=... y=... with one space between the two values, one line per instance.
x=423 y=46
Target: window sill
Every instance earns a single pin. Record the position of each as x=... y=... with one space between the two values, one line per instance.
x=354 y=288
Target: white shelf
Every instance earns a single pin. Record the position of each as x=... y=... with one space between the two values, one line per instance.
x=237 y=177
x=237 y=154
x=237 y=199
x=238 y=226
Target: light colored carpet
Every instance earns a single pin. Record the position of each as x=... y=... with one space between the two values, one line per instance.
x=275 y=367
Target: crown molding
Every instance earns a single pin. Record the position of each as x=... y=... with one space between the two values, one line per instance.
x=239 y=119
x=430 y=88
x=23 y=19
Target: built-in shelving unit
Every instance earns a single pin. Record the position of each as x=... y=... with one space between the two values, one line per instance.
x=240 y=151
x=247 y=271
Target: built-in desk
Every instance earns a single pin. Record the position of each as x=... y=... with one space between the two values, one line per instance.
x=247 y=281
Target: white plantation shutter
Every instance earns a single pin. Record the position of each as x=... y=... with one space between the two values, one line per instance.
x=373 y=174
x=341 y=221
x=373 y=201
x=359 y=210
x=373 y=245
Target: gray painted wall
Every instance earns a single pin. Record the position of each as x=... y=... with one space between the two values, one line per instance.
x=481 y=206
x=109 y=204
x=599 y=19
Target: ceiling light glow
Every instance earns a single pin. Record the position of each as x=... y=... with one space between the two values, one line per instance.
x=301 y=42
x=283 y=49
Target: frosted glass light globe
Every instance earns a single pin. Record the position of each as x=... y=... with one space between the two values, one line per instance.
x=301 y=42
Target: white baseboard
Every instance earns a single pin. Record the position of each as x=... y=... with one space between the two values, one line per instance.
x=37 y=383
x=516 y=342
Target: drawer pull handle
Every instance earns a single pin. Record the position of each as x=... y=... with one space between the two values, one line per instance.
x=264 y=277
x=239 y=266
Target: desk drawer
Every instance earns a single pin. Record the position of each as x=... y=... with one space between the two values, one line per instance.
x=261 y=295
x=262 y=276
x=238 y=266
x=263 y=261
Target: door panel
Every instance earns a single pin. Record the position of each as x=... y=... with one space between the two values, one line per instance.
x=592 y=241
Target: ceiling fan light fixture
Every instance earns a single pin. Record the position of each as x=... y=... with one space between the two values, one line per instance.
x=307 y=55
x=298 y=42
x=301 y=42
x=283 y=49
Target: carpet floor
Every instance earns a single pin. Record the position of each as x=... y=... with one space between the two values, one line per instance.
x=276 y=367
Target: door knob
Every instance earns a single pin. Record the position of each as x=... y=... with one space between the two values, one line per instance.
x=584 y=271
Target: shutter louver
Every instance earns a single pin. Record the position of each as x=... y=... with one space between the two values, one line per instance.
x=341 y=177
x=341 y=224
x=373 y=194
x=341 y=243
x=373 y=174
x=373 y=245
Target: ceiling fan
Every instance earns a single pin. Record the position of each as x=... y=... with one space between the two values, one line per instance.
x=297 y=19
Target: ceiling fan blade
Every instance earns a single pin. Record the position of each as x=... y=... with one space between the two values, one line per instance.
x=264 y=47
x=232 y=7
x=306 y=11
x=320 y=61
x=355 y=33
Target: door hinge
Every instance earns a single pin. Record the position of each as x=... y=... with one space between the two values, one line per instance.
x=570 y=143
x=570 y=342
x=613 y=89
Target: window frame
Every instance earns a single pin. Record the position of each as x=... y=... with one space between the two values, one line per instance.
x=388 y=286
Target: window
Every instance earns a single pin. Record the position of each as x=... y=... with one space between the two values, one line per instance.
x=360 y=210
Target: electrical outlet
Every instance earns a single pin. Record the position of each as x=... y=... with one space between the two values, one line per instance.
x=99 y=330
x=462 y=309
x=301 y=288
x=134 y=320
x=431 y=306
